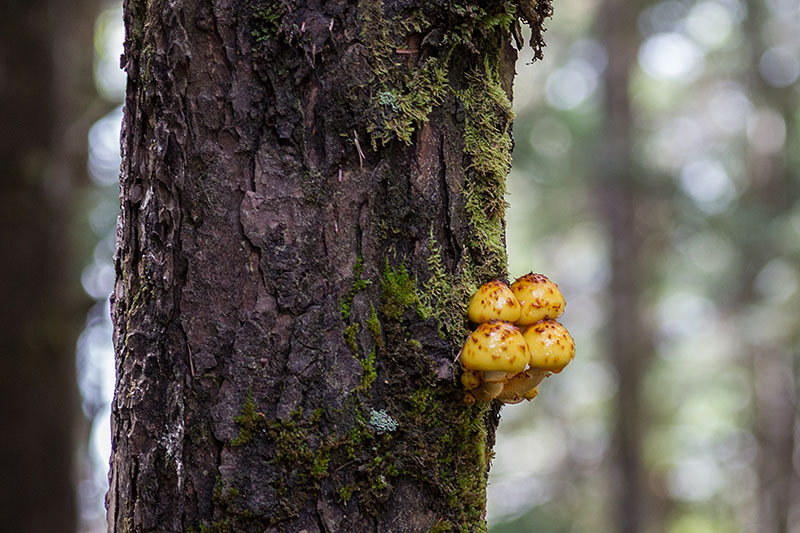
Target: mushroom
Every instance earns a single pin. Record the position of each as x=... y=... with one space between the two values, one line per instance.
x=487 y=391
x=519 y=386
x=539 y=298
x=471 y=379
x=497 y=350
x=493 y=301
x=477 y=388
x=551 y=346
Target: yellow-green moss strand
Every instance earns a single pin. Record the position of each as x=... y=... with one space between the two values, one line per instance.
x=398 y=292
x=249 y=421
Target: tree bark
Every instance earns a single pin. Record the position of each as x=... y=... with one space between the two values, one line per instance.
x=45 y=67
x=310 y=192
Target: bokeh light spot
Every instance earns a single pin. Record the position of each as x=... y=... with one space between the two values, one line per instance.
x=671 y=56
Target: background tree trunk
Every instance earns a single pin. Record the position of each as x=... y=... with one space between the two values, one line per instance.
x=310 y=192
x=45 y=82
x=774 y=361
x=620 y=200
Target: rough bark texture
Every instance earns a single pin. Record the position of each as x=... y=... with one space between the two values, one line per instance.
x=45 y=60
x=310 y=191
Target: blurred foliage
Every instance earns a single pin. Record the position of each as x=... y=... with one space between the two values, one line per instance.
x=714 y=94
x=100 y=205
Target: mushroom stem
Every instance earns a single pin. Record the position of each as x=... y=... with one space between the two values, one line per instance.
x=495 y=376
x=516 y=388
x=487 y=391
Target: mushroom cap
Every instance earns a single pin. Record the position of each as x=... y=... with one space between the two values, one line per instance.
x=551 y=346
x=495 y=346
x=493 y=301
x=470 y=379
x=538 y=297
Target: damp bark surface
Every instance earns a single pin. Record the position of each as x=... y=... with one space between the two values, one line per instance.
x=310 y=192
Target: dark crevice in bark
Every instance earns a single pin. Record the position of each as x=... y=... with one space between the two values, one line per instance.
x=450 y=250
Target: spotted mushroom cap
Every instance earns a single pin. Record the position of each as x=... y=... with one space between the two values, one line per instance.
x=470 y=379
x=495 y=346
x=538 y=297
x=551 y=346
x=493 y=301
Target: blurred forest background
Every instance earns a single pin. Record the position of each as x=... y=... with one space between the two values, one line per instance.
x=656 y=178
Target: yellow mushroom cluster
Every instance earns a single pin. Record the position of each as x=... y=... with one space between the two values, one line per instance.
x=517 y=343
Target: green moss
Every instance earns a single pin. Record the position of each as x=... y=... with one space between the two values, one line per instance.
x=465 y=454
x=398 y=292
x=446 y=297
x=345 y=493
x=374 y=326
x=407 y=89
x=224 y=497
x=455 y=463
x=146 y=61
x=219 y=526
x=290 y=438
x=291 y=443
x=487 y=147
x=297 y=451
x=143 y=293
x=316 y=416
x=406 y=92
x=419 y=402
x=400 y=114
x=249 y=421
x=442 y=526
x=350 y=333
x=321 y=461
x=487 y=143
x=228 y=497
x=266 y=20
x=368 y=371
x=358 y=285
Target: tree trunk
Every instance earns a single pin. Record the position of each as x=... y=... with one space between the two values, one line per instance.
x=619 y=197
x=45 y=62
x=775 y=363
x=310 y=192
